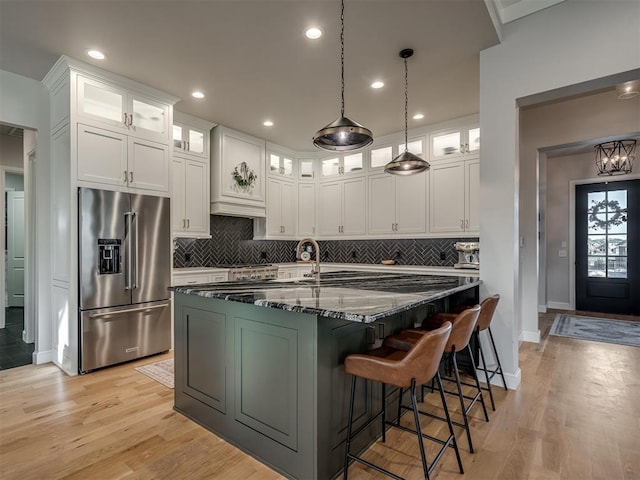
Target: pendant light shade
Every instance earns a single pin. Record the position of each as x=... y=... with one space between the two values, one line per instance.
x=406 y=163
x=342 y=134
x=615 y=158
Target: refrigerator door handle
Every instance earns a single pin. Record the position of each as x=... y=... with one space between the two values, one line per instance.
x=127 y=233
x=134 y=219
x=129 y=310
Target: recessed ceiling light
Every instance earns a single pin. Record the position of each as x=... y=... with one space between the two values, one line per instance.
x=313 y=33
x=268 y=123
x=377 y=84
x=97 y=54
x=418 y=116
x=197 y=94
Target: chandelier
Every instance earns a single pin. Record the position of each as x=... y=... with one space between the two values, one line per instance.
x=615 y=158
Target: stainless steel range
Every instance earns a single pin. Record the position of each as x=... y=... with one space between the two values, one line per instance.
x=251 y=271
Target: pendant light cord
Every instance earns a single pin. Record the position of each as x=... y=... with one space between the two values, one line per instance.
x=342 y=57
x=406 y=106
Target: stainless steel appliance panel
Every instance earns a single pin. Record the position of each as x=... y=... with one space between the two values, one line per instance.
x=151 y=244
x=103 y=262
x=115 y=335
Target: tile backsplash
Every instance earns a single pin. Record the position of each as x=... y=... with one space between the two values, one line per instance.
x=232 y=242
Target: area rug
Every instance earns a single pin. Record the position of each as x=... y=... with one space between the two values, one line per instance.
x=621 y=332
x=161 y=371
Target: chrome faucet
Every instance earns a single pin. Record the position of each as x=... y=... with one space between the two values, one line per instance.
x=316 y=268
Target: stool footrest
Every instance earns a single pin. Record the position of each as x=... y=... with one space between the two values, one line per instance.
x=375 y=467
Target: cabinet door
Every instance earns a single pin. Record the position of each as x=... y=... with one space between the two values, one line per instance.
x=149 y=119
x=331 y=208
x=148 y=165
x=288 y=210
x=196 y=197
x=354 y=207
x=447 y=199
x=382 y=205
x=472 y=221
x=446 y=144
x=411 y=203
x=306 y=209
x=307 y=169
x=473 y=140
x=102 y=156
x=178 y=217
x=101 y=103
x=274 y=207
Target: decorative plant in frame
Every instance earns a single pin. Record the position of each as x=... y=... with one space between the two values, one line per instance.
x=603 y=207
x=244 y=178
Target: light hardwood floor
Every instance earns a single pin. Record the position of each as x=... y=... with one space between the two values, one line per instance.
x=575 y=415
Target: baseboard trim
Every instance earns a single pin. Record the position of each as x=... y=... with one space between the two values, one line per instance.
x=542 y=309
x=559 y=305
x=43 y=357
x=531 y=337
x=513 y=380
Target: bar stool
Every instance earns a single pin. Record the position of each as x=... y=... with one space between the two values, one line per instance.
x=487 y=309
x=402 y=369
x=464 y=324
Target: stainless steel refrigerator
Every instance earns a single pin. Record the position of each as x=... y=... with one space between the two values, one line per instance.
x=124 y=272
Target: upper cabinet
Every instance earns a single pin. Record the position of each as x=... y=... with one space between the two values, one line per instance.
x=342 y=207
x=190 y=176
x=238 y=167
x=341 y=164
x=384 y=152
x=397 y=204
x=281 y=161
x=106 y=104
x=191 y=136
x=306 y=169
x=455 y=142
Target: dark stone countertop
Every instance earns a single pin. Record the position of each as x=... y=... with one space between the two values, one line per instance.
x=354 y=296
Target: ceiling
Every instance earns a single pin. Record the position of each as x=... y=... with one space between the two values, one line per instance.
x=253 y=62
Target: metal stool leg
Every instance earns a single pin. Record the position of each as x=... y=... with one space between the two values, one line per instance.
x=448 y=417
x=486 y=373
x=416 y=418
x=464 y=410
x=349 y=425
x=384 y=412
x=475 y=377
x=495 y=352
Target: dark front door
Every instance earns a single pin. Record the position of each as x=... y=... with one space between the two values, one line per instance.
x=608 y=247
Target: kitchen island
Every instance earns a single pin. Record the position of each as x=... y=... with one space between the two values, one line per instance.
x=261 y=363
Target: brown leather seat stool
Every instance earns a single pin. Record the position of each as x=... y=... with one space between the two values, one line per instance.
x=402 y=369
x=487 y=309
x=463 y=327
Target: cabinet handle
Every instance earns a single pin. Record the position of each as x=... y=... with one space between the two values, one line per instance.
x=125 y=118
x=466 y=147
x=466 y=224
x=125 y=174
x=188 y=145
x=184 y=223
x=184 y=145
x=461 y=224
x=131 y=176
x=188 y=223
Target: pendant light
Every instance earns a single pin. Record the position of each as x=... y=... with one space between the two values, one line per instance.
x=406 y=163
x=615 y=158
x=342 y=134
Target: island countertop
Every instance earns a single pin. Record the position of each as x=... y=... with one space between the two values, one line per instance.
x=354 y=296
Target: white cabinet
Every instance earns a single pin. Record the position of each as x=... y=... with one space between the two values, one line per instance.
x=342 y=164
x=281 y=161
x=382 y=153
x=190 y=198
x=106 y=104
x=343 y=207
x=112 y=158
x=306 y=168
x=455 y=142
x=280 y=209
x=190 y=177
x=238 y=183
x=397 y=204
x=195 y=278
x=306 y=209
x=191 y=136
x=454 y=197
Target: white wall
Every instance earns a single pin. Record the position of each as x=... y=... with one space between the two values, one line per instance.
x=25 y=103
x=575 y=120
x=565 y=45
x=10 y=151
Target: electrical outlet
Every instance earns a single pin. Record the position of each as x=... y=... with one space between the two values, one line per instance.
x=443 y=256
x=263 y=255
x=187 y=257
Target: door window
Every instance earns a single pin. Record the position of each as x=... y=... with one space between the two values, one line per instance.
x=607 y=234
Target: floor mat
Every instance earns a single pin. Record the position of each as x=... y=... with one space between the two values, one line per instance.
x=621 y=332
x=161 y=371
